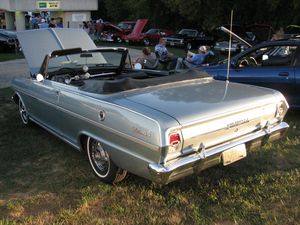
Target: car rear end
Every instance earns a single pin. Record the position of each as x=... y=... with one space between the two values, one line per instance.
x=220 y=140
x=217 y=124
x=172 y=41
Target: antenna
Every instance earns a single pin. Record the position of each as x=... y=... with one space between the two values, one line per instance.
x=229 y=49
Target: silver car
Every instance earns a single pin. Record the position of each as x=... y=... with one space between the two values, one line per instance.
x=156 y=124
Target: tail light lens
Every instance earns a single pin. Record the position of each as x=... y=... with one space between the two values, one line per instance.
x=281 y=110
x=174 y=142
x=174 y=139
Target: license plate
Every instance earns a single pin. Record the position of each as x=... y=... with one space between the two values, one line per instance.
x=234 y=154
x=172 y=43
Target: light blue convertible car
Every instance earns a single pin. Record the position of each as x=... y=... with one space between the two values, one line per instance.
x=158 y=125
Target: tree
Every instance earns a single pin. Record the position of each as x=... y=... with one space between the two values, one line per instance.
x=176 y=14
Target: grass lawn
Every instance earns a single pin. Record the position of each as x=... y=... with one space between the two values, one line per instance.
x=45 y=181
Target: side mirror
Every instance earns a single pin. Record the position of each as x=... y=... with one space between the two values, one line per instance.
x=39 y=77
x=265 y=57
x=137 y=66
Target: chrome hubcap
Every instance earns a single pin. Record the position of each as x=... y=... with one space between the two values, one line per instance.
x=23 y=112
x=100 y=158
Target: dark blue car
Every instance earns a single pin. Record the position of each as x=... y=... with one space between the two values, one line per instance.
x=273 y=64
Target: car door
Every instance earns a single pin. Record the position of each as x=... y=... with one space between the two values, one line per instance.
x=154 y=37
x=270 y=67
x=43 y=103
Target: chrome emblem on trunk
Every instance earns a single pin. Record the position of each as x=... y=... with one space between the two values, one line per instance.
x=237 y=123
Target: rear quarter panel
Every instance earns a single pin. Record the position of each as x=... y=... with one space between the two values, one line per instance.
x=132 y=139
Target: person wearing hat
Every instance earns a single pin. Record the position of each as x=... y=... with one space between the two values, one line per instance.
x=43 y=24
x=192 y=59
x=198 y=58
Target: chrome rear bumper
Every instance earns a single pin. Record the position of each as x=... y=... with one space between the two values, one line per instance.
x=199 y=161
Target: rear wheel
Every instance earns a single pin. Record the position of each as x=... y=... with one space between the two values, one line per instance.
x=189 y=46
x=23 y=112
x=101 y=163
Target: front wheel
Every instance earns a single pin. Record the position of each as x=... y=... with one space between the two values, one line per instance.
x=23 y=112
x=101 y=163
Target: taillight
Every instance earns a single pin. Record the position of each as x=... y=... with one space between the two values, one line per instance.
x=174 y=139
x=281 y=110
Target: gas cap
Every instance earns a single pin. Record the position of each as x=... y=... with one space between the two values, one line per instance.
x=102 y=115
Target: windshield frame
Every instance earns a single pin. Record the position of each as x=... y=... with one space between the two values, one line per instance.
x=60 y=53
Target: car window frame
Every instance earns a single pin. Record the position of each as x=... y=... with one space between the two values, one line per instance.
x=249 y=54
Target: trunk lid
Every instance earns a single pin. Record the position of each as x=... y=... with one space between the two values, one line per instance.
x=202 y=99
x=212 y=112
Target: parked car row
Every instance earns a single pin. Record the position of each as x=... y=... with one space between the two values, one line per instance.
x=8 y=41
x=187 y=38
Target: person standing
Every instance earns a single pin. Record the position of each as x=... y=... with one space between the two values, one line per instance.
x=52 y=23
x=43 y=24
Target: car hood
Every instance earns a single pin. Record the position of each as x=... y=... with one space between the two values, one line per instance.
x=36 y=44
x=179 y=36
x=235 y=36
x=187 y=101
x=137 y=30
x=110 y=25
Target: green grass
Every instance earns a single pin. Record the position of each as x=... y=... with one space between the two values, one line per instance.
x=44 y=181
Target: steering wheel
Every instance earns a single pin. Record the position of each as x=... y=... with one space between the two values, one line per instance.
x=244 y=63
x=248 y=61
x=253 y=61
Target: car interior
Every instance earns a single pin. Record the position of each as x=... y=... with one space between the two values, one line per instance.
x=269 y=56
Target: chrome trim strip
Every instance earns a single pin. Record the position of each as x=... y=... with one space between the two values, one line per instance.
x=161 y=173
x=134 y=139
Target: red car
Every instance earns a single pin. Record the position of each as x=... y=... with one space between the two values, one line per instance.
x=150 y=37
x=126 y=26
x=153 y=35
x=116 y=33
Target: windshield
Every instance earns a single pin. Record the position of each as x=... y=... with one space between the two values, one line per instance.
x=153 y=31
x=126 y=25
x=189 y=33
x=111 y=59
